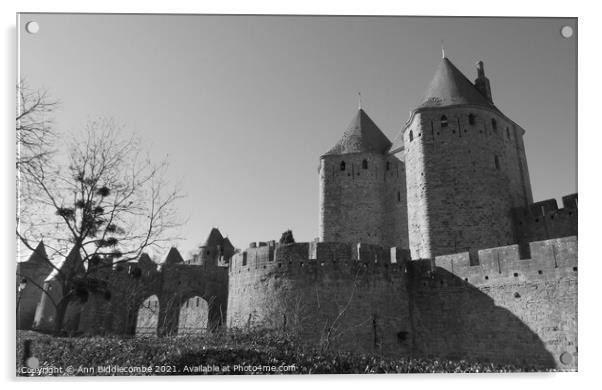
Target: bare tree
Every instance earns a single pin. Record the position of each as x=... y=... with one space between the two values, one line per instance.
x=107 y=199
x=35 y=135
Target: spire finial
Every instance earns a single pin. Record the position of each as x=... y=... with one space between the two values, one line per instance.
x=359 y=100
x=442 y=50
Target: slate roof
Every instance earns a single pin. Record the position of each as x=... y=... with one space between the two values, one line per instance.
x=215 y=238
x=450 y=87
x=72 y=264
x=173 y=257
x=362 y=135
x=39 y=255
x=227 y=244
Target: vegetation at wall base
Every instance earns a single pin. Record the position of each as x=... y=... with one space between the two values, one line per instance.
x=234 y=353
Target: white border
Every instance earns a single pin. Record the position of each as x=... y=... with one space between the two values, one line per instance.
x=589 y=177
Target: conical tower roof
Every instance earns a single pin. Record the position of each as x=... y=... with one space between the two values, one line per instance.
x=214 y=238
x=39 y=255
x=71 y=265
x=450 y=87
x=173 y=257
x=226 y=244
x=362 y=135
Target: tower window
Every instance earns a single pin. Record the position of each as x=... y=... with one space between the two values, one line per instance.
x=365 y=164
x=508 y=132
x=471 y=119
x=399 y=196
x=497 y=162
x=342 y=165
x=388 y=165
x=493 y=124
x=411 y=136
x=443 y=121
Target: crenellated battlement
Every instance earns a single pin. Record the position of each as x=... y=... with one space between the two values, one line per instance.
x=317 y=253
x=504 y=264
x=547 y=207
x=544 y=220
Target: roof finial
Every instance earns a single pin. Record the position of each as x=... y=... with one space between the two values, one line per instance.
x=442 y=50
x=359 y=100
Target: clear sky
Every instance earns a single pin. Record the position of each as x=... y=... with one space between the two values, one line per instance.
x=245 y=105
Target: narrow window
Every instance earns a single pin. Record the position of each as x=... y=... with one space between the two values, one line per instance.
x=342 y=165
x=198 y=301
x=388 y=165
x=508 y=132
x=411 y=136
x=497 y=162
x=494 y=124
x=365 y=164
x=443 y=121
x=244 y=258
x=399 y=196
x=471 y=119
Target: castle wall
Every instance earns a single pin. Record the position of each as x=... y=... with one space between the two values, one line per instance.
x=544 y=220
x=361 y=205
x=503 y=309
x=140 y=297
x=463 y=180
x=329 y=294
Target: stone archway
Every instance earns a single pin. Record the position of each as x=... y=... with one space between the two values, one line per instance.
x=147 y=319
x=194 y=316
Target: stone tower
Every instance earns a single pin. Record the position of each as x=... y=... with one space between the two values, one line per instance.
x=362 y=188
x=216 y=250
x=465 y=166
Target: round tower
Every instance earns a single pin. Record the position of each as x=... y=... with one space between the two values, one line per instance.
x=216 y=250
x=465 y=166
x=356 y=178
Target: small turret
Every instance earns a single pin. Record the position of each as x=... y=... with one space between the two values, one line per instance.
x=482 y=82
x=215 y=251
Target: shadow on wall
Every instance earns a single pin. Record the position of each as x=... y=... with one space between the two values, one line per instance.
x=452 y=319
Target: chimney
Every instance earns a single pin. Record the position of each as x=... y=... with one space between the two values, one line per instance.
x=482 y=82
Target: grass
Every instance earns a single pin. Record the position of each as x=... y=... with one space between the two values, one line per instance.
x=219 y=353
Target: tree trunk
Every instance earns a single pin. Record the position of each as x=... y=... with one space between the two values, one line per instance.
x=61 y=310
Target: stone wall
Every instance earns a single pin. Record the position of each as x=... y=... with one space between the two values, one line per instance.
x=352 y=200
x=463 y=180
x=146 y=300
x=360 y=204
x=503 y=309
x=336 y=295
x=544 y=220
x=396 y=205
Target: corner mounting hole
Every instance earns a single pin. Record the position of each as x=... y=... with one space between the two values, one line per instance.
x=32 y=27
x=566 y=31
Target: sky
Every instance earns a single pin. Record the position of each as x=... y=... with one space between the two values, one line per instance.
x=243 y=106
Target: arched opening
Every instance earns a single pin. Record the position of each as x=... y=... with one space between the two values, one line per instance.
x=443 y=121
x=342 y=165
x=148 y=317
x=471 y=119
x=365 y=164
x=194 y=315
